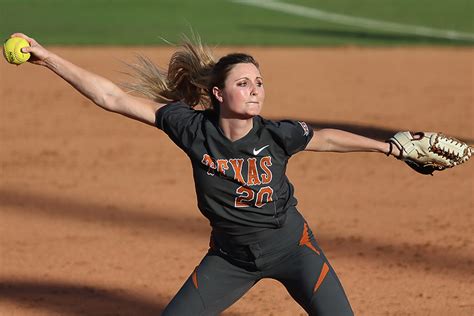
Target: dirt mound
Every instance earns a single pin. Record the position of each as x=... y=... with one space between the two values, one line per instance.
x=98 y=213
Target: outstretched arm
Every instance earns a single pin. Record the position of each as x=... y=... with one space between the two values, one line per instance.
x=99 y=90
x=333 y=140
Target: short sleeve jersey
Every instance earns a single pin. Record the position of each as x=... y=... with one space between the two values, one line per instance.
x=241 y=186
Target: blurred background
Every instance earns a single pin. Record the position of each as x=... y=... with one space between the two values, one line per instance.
x=253 y=22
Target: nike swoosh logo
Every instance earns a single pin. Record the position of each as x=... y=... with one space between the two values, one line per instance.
x=257 y=151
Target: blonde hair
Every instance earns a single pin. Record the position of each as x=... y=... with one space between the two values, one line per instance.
x=186 y=79
x=192 y=73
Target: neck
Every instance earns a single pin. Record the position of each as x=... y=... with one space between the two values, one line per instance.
x=234 y=129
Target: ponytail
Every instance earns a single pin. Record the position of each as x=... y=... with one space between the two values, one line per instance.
x=191 y=75
x=187 y=78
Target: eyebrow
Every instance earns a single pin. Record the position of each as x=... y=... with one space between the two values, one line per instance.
x=248 y=78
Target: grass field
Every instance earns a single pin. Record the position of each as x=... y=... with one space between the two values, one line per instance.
x=454 y=15
x=143 y=22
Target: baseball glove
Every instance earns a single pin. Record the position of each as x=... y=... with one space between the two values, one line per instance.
x=427 y=152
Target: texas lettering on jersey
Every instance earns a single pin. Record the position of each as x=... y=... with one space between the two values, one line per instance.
x=258 y=174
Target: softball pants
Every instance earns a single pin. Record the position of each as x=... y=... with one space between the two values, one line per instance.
x=289 y=254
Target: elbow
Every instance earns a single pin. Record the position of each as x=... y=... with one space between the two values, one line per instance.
x=110 y=101
x=325 y=140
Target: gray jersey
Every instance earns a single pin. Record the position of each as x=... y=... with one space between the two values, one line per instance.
x=241 y=186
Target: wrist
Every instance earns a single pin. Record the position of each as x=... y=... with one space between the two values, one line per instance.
x=396 y=152
x=390 y=149
x=50 y=61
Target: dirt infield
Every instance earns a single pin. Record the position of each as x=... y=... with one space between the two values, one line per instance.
x=98 y=213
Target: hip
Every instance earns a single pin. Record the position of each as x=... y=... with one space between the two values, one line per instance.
x=270 y=244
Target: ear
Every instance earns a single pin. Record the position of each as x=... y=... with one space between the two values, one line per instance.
x=218 y=94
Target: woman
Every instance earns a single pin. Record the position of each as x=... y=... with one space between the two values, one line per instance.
x=239 y=161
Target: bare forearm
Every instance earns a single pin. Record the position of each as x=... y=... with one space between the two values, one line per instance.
x=333 y=140
x=92 y=86
x=100 y=90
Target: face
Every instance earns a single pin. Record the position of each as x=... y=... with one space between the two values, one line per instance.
x=243 y=93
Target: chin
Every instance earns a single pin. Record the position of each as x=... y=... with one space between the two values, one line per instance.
x=247 y=116
x=251 y=114
x=255 y=110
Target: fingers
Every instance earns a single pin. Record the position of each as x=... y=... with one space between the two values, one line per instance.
x=38 y=52
x=20 y=35
x=30 y=40
x=27 y=49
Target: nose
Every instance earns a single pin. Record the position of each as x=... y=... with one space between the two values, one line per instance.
x=254 y=91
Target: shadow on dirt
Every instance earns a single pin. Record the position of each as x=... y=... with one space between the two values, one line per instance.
x=374 y=132
x=76 y=299
x=425 y=257
x=155 y=220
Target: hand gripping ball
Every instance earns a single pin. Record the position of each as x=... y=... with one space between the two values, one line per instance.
x=12 y=50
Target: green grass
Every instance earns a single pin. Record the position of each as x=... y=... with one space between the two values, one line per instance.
x=455 y=15
x=221 y=22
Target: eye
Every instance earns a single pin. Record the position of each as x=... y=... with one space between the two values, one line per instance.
x=260 y=84
x=242 y=83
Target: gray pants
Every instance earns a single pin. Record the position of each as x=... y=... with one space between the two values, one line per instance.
x=289 y=254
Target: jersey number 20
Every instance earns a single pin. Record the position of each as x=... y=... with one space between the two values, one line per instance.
x=247 y=197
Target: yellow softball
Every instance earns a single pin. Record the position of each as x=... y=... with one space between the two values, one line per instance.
x=12 y=50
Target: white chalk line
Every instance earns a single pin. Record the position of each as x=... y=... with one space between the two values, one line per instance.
x=356 y=21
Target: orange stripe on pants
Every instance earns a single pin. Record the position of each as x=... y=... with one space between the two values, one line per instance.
x=322 y=275
x=304 y=241
x=194 y=277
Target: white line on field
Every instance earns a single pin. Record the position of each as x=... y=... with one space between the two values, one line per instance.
x=356 y=21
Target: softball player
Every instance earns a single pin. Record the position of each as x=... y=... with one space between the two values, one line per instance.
x=239 y=164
